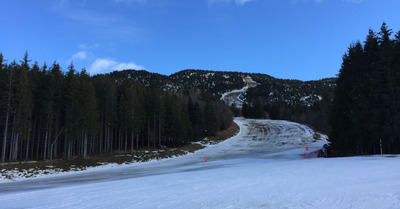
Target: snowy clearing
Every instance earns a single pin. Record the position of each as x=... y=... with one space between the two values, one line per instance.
x=261 y=167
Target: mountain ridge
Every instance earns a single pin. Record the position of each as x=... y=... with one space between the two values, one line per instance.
x=213 y=71
x=289 y=91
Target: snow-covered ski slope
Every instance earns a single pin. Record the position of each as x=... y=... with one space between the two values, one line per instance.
x=261 y=167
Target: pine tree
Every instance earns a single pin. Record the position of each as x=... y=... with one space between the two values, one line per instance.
x=71 y=107
x=245 y=110
x=275 y=112
x=199 y=123
x=171 y=127
x=106 y=94
x=24 y=108
x=195 y=117
x=210 y=119
x=88 y=112
x=55 y=111
x=396 y=96
x=258 y=109
x=7 y=77
x=386 y=52
x=37 y=78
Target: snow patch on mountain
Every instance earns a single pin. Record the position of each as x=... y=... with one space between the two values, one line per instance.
x=310 y=99
x=236 y=97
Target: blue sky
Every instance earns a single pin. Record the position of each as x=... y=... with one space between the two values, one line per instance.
x=294 y=39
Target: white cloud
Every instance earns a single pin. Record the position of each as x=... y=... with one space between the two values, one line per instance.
x=240 y=2
x=81 y=55
x=218 y=1
x=109 y=24
x=85 y=46
x=354 y=1
x=107 y=65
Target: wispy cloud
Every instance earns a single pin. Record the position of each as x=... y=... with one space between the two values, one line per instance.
x=354 y=1
x=237 y=2
x=130 y=2
x=240 y=2
x=218 y=1
x=108 y=25
x=81 y=55
x=85 y=46
x=321 y=1
x=107 y=65
x=88 y=18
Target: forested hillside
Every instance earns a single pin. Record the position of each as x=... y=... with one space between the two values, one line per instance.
x=48 y=114
x=213 y=82
x=219 y=82
x=365 y=117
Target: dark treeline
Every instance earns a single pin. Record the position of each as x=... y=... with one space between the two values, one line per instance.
x=316 y=115
x=366 y=106
x=48 y=114
x=290 y=100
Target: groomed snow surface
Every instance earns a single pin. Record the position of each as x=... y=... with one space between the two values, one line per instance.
x=261 y=167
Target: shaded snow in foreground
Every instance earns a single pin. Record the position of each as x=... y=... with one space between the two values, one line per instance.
x=250 y=170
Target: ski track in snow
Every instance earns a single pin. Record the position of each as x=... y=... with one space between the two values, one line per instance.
x=260 y=167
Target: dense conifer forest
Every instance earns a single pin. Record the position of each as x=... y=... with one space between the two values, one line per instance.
x=365 y=116
x=48 y=114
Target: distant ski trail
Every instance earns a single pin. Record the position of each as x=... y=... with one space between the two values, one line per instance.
x=236 y=96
